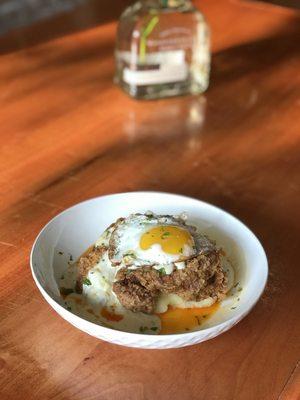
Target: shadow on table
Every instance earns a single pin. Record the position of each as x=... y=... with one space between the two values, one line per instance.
x=240 y=87
x=227 y=65
x=237 y=61
x=86 y=15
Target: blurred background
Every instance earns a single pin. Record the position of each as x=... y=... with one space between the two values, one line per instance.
x=21 y=13
x=59 y=17
x=28 y=22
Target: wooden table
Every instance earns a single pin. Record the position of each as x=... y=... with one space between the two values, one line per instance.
x=68 y=134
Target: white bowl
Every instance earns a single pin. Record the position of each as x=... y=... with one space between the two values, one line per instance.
x=75 y=229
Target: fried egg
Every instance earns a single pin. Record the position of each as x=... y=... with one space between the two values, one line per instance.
x=148 y=239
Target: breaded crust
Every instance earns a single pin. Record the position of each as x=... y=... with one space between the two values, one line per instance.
x=202 y=277
x=86 y=262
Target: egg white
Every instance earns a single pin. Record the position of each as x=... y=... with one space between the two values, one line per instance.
x=125 y=240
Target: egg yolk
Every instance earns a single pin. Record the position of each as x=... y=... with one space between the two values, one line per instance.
x=171 y=239
x=178 y=320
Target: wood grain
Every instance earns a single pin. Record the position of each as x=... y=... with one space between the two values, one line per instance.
x=67 y=134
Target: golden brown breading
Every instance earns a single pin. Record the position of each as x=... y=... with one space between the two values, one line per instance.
x=86 y=262
x=201 y=278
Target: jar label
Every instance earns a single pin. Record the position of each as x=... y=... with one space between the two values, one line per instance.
x=158 y=68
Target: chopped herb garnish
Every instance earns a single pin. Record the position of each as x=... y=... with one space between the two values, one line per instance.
x=130 y=254
x=240 y=289
x=69 y=308
x=143 y=329
x=165 y=234
x=129 y=271
x=162 y=271
x=181 y=250
x=71 y=257
x=154 y=328
x=150 y=216
x=238 y=299
x=233 y=308
x=87 y=282
x=61 y=253
x=236 y=284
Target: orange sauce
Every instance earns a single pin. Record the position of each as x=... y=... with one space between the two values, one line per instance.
x=110 y=316
x=179 y=320
x=78 y=300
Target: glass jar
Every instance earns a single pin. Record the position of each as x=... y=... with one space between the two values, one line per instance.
x=162 y=49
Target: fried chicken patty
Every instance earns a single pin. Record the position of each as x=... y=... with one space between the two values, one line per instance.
x=87 y=262
x=138 y=289
x=202 y=277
